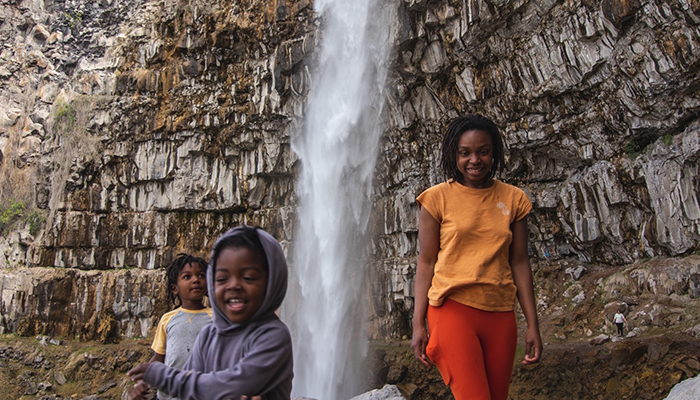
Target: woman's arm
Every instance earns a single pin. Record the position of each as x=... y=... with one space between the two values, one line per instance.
x=522 y=276
x=429 y=244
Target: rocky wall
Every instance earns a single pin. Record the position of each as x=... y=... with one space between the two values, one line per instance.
x=143 y=129
x=140 y=129
x=597 y=104
x=41 y=300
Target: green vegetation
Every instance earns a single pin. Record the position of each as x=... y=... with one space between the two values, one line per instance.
x=9 y=213
x=73 y=147
x=64 y=117
x=37 y=220
x=75 y=19
x=15 y=212
x=633 y=148
x=16 y=180
x=668 y=139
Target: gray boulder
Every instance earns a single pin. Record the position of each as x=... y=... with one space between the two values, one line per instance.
x=388 y=392
x=689 y=389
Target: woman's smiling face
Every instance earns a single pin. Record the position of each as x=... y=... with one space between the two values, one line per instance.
x=475 y=158
x=240 y=283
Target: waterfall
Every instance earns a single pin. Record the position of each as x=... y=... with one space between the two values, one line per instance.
x=337 y=150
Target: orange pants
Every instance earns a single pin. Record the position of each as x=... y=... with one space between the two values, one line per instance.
x=473 y=349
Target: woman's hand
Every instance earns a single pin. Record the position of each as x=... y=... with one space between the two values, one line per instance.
x=418 y=343
x=522 y=277
x=533 y=346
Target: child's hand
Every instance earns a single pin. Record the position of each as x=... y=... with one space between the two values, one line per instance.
x=140 y=391
x=136 y=373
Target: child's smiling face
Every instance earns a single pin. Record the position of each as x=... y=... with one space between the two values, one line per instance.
x=240 y=283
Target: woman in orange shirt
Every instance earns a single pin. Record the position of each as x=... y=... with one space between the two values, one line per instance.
x=473 y=263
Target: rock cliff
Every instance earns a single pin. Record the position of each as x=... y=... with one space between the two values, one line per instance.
x=133 y=130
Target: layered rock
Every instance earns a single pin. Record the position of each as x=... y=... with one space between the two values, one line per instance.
x=140 y=129
x=39 y=300
x=148 y=128
x=599 y=126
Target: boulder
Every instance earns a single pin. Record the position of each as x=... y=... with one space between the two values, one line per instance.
x=600 y=339
x=388 y=392
x=689 y=389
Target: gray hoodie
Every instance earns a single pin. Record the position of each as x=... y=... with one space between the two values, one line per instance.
x=230 y=360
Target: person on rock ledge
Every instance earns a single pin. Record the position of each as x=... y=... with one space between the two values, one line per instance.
x=620 y=322
x=247 y=349
x=472 y=264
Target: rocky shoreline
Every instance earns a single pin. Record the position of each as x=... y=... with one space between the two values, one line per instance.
x=644 y=367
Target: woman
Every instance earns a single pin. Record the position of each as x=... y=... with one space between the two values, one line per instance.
x=473 y=262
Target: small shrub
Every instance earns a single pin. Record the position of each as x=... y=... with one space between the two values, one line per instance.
x=668 y=139
x=64 y=118
x=16 y=212
x=633 y=148
x=10 y=213
x=36 y=220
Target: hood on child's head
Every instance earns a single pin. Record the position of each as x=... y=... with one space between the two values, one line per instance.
x=276 y=280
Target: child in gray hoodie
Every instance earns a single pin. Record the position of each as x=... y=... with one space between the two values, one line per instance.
x=247 y=350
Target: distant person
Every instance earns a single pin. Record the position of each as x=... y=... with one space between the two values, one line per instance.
x=247 y=350
x=178 y=329
x=473 y=262
x=620 y=321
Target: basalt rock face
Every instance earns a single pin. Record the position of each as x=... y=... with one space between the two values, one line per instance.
x=144 y=129
x=598 y=105
x=140 y=129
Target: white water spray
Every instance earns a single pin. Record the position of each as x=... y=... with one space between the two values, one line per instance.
x=325 y=308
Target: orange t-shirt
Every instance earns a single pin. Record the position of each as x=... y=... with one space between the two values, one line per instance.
x=473 y=266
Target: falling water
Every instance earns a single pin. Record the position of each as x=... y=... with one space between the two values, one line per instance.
x=337 y=150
